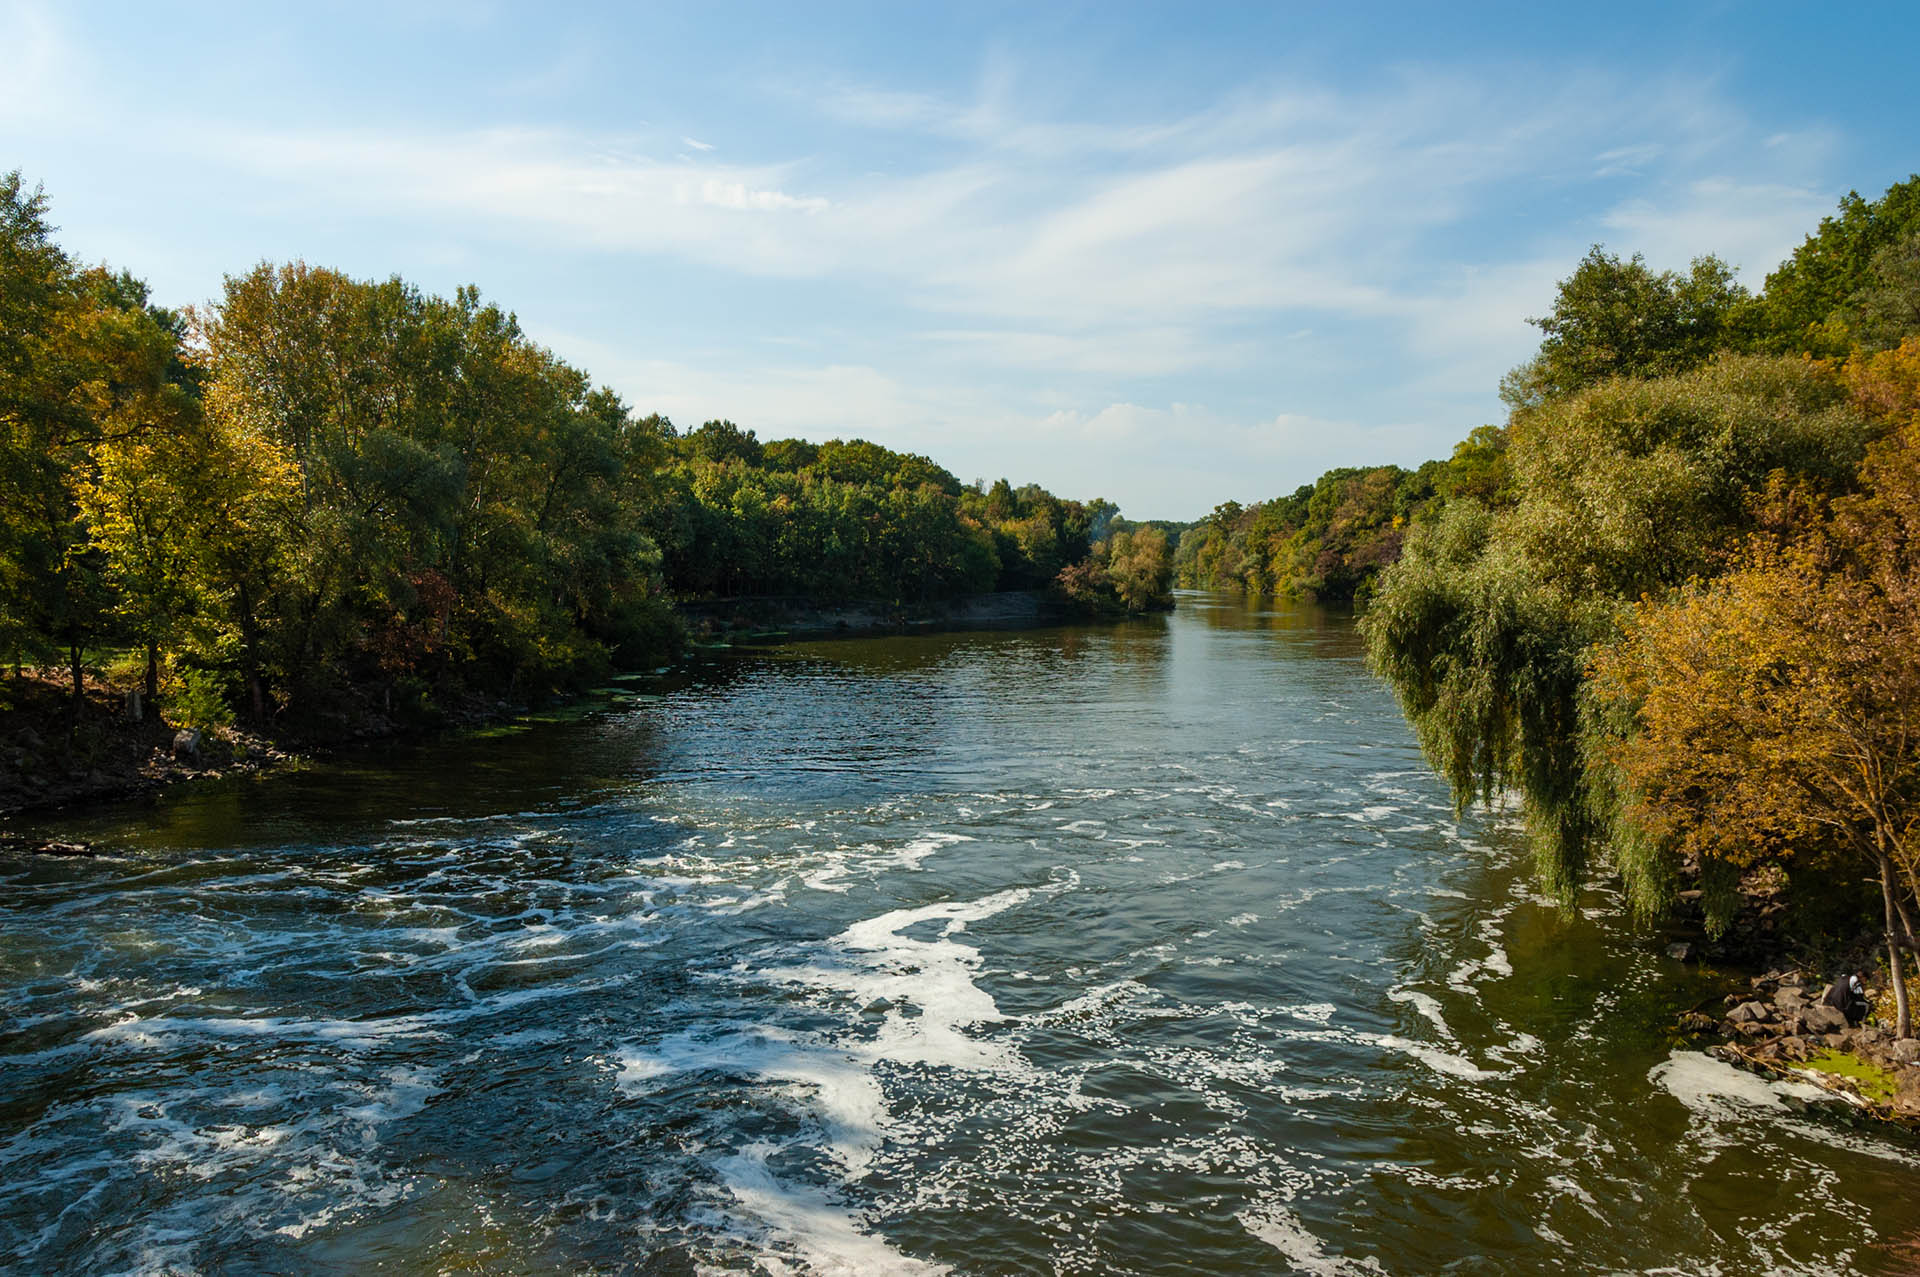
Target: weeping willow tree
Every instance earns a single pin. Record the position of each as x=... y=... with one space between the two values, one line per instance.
x=1626 y=489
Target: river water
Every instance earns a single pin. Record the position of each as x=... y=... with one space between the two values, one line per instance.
x=1142 y=948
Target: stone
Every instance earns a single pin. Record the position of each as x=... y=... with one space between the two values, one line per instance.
x=1796 y=1049
x=1821 y=1018
x=1680 y=951
x=1905 y=1051
x=1789 y=999
x=879 y=1006
x=1750 y=1013
x=186 y=744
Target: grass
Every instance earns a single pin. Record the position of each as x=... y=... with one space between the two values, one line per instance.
x=1870 y=1080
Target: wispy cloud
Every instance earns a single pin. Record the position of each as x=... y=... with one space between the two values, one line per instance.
x=1264 y=277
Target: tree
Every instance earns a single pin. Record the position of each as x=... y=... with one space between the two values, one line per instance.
x=1776 y=712
x=91 y=387
x=1827 y=271
x=1614 y=318
x=1626 y=489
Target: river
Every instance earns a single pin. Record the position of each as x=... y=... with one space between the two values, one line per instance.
x=1143 y=948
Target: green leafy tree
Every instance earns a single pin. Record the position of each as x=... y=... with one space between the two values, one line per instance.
x=1614 y=318
x=1828 y=271
x=1624 y=490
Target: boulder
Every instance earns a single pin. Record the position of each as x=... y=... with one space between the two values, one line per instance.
x=1821 y=1018
x=1750 y=1013
x=186 y=744
x=1905 y=1051
x=1789 y=999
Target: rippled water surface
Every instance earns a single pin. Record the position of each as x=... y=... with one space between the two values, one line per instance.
x=1150 y=948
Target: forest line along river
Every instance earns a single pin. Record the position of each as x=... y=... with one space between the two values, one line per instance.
x=1152 y=947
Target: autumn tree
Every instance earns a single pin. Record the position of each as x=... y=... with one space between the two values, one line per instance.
x=1776 y=712
x=92 y=389
x=1626 y=489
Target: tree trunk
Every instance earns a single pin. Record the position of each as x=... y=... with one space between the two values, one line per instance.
x=152 y=708
x=79 y=701
x=1903 y=1015
x=249 y=658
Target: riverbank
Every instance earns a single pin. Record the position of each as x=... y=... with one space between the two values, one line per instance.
x=798 y=618
x=1779 y=1027
x=52 y=756
x=50 y=760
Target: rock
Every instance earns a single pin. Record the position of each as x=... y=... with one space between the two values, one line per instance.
x=1821 y=1018
x=1794 y=980
x=186 y=744
x=1680 y=952
x=879 y=1006
x=1872 y=1034
x=1833 y=1041
x=1796 y=1049
x=1905 y=1051
x=1694 y=1022
x=1750 y=1013
x=1789 y=999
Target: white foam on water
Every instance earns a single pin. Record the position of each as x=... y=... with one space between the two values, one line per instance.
x=1426 y=1004
x=1281 y=1229
x=842 y=866
x=837 y=1085
x=828 y=1239
x=1714 y=1088
x=1434 y=1058
x=924 y=996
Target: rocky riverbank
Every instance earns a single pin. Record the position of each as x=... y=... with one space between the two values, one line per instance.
x=1780 y=1027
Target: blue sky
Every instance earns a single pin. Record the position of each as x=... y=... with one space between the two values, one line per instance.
x=1163 y=254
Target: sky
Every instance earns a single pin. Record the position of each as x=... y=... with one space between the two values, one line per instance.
x=1170 y=255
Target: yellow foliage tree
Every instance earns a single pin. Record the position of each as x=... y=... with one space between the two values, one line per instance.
x=1778 y=710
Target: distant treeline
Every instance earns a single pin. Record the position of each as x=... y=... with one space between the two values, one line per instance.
x=322 y=496
x=1852 y=286
x=1679 y=621
x=1330 y=539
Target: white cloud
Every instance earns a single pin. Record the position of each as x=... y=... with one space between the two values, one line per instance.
x=1751 y=225
x=1058 y=287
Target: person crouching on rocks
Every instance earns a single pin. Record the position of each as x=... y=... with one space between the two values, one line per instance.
x=1848 y=996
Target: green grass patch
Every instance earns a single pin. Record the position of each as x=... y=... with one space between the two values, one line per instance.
x=1872 y=1081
